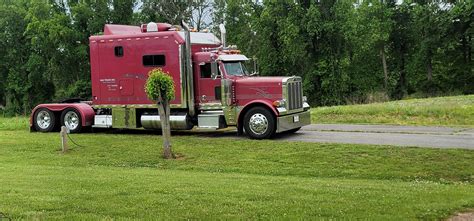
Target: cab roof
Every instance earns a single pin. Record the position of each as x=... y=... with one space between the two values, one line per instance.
x=112 y=31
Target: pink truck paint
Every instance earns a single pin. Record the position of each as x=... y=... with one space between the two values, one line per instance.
x=214 y=88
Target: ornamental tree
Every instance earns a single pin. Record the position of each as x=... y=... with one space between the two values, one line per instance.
x=159 y=87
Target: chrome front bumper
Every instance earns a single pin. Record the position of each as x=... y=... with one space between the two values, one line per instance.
x=293 y=121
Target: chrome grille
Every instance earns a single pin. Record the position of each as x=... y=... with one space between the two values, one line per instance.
x=295 y=95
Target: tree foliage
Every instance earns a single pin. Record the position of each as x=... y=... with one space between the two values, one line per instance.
x=350 y=51
x=159 y=86
x=345 y=50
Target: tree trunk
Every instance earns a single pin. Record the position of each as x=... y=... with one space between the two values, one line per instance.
x=403 y=78
x=469 y=49
x=164 y=111
x=401 y=84
x=464 y=48
x=429 y=68
x=385 y=70
x=167 y=153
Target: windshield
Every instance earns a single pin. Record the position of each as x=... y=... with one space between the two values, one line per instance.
x=236 y=68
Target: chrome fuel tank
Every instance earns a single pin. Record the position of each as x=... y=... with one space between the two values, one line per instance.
x=177 y=122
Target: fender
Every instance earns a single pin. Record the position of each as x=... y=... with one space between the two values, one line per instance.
x=85 y=110
x=265 y=103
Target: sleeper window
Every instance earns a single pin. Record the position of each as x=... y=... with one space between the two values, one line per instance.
x=118 y=51
x=154 y=60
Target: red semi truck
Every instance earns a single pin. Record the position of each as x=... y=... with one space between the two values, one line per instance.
x=214 y=88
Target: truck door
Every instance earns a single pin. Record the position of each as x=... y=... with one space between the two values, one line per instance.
x=126 y=87
x=208 y=89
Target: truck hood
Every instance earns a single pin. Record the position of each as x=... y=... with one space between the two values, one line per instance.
x=252 y=80
x=252 y=88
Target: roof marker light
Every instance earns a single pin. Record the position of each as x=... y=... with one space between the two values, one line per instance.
x=143 y=27
x=152 y=27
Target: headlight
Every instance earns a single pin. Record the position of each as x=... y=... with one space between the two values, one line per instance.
x=279 y=103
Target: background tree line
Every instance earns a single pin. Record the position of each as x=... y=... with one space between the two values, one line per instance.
x=347 y=51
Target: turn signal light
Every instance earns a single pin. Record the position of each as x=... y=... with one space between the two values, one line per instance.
x=279 y=103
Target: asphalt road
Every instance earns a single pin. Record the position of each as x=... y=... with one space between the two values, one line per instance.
x=405 y=136
x=437 y=137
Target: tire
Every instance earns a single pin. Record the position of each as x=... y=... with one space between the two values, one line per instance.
x=44 y=120
x=71 y=119
x=259 y=123
x=294 y=130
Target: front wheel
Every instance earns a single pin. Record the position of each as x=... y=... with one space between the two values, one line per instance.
x=71 y=119
x=259 y=123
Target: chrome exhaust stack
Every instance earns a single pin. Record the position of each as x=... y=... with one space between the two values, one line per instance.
x=223 y=32
x=189 y=69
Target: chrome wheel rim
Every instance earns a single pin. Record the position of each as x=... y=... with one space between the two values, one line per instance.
x=258 y=124
x=71 y=120
x=43 y=119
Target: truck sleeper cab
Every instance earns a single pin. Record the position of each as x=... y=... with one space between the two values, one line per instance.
x=214 y=89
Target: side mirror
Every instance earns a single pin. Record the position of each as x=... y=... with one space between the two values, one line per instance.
x=254 y=67
x=214 y=71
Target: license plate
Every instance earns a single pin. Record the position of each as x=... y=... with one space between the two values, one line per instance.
x=296 y=118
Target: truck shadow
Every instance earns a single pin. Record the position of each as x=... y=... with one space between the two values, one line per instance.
x=204 y=133
x=224 y=133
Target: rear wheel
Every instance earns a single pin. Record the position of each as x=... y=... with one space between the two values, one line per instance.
x=71 y=119
x=44 y=120
x=259 y=123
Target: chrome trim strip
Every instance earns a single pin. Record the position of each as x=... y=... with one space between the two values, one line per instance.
x=230 y=112
x=134 y=106
x=182 y=77
x=226 y=91
x=210 y=107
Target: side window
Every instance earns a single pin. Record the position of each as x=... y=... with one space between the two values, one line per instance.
x=118 y=51
x=154 y=60
x=205 y=70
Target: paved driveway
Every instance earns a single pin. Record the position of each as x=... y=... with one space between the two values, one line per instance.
x=440 y=137
x=407 y=136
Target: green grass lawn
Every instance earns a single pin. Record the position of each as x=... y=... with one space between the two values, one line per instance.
x=121 y=176
x=440 y=111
